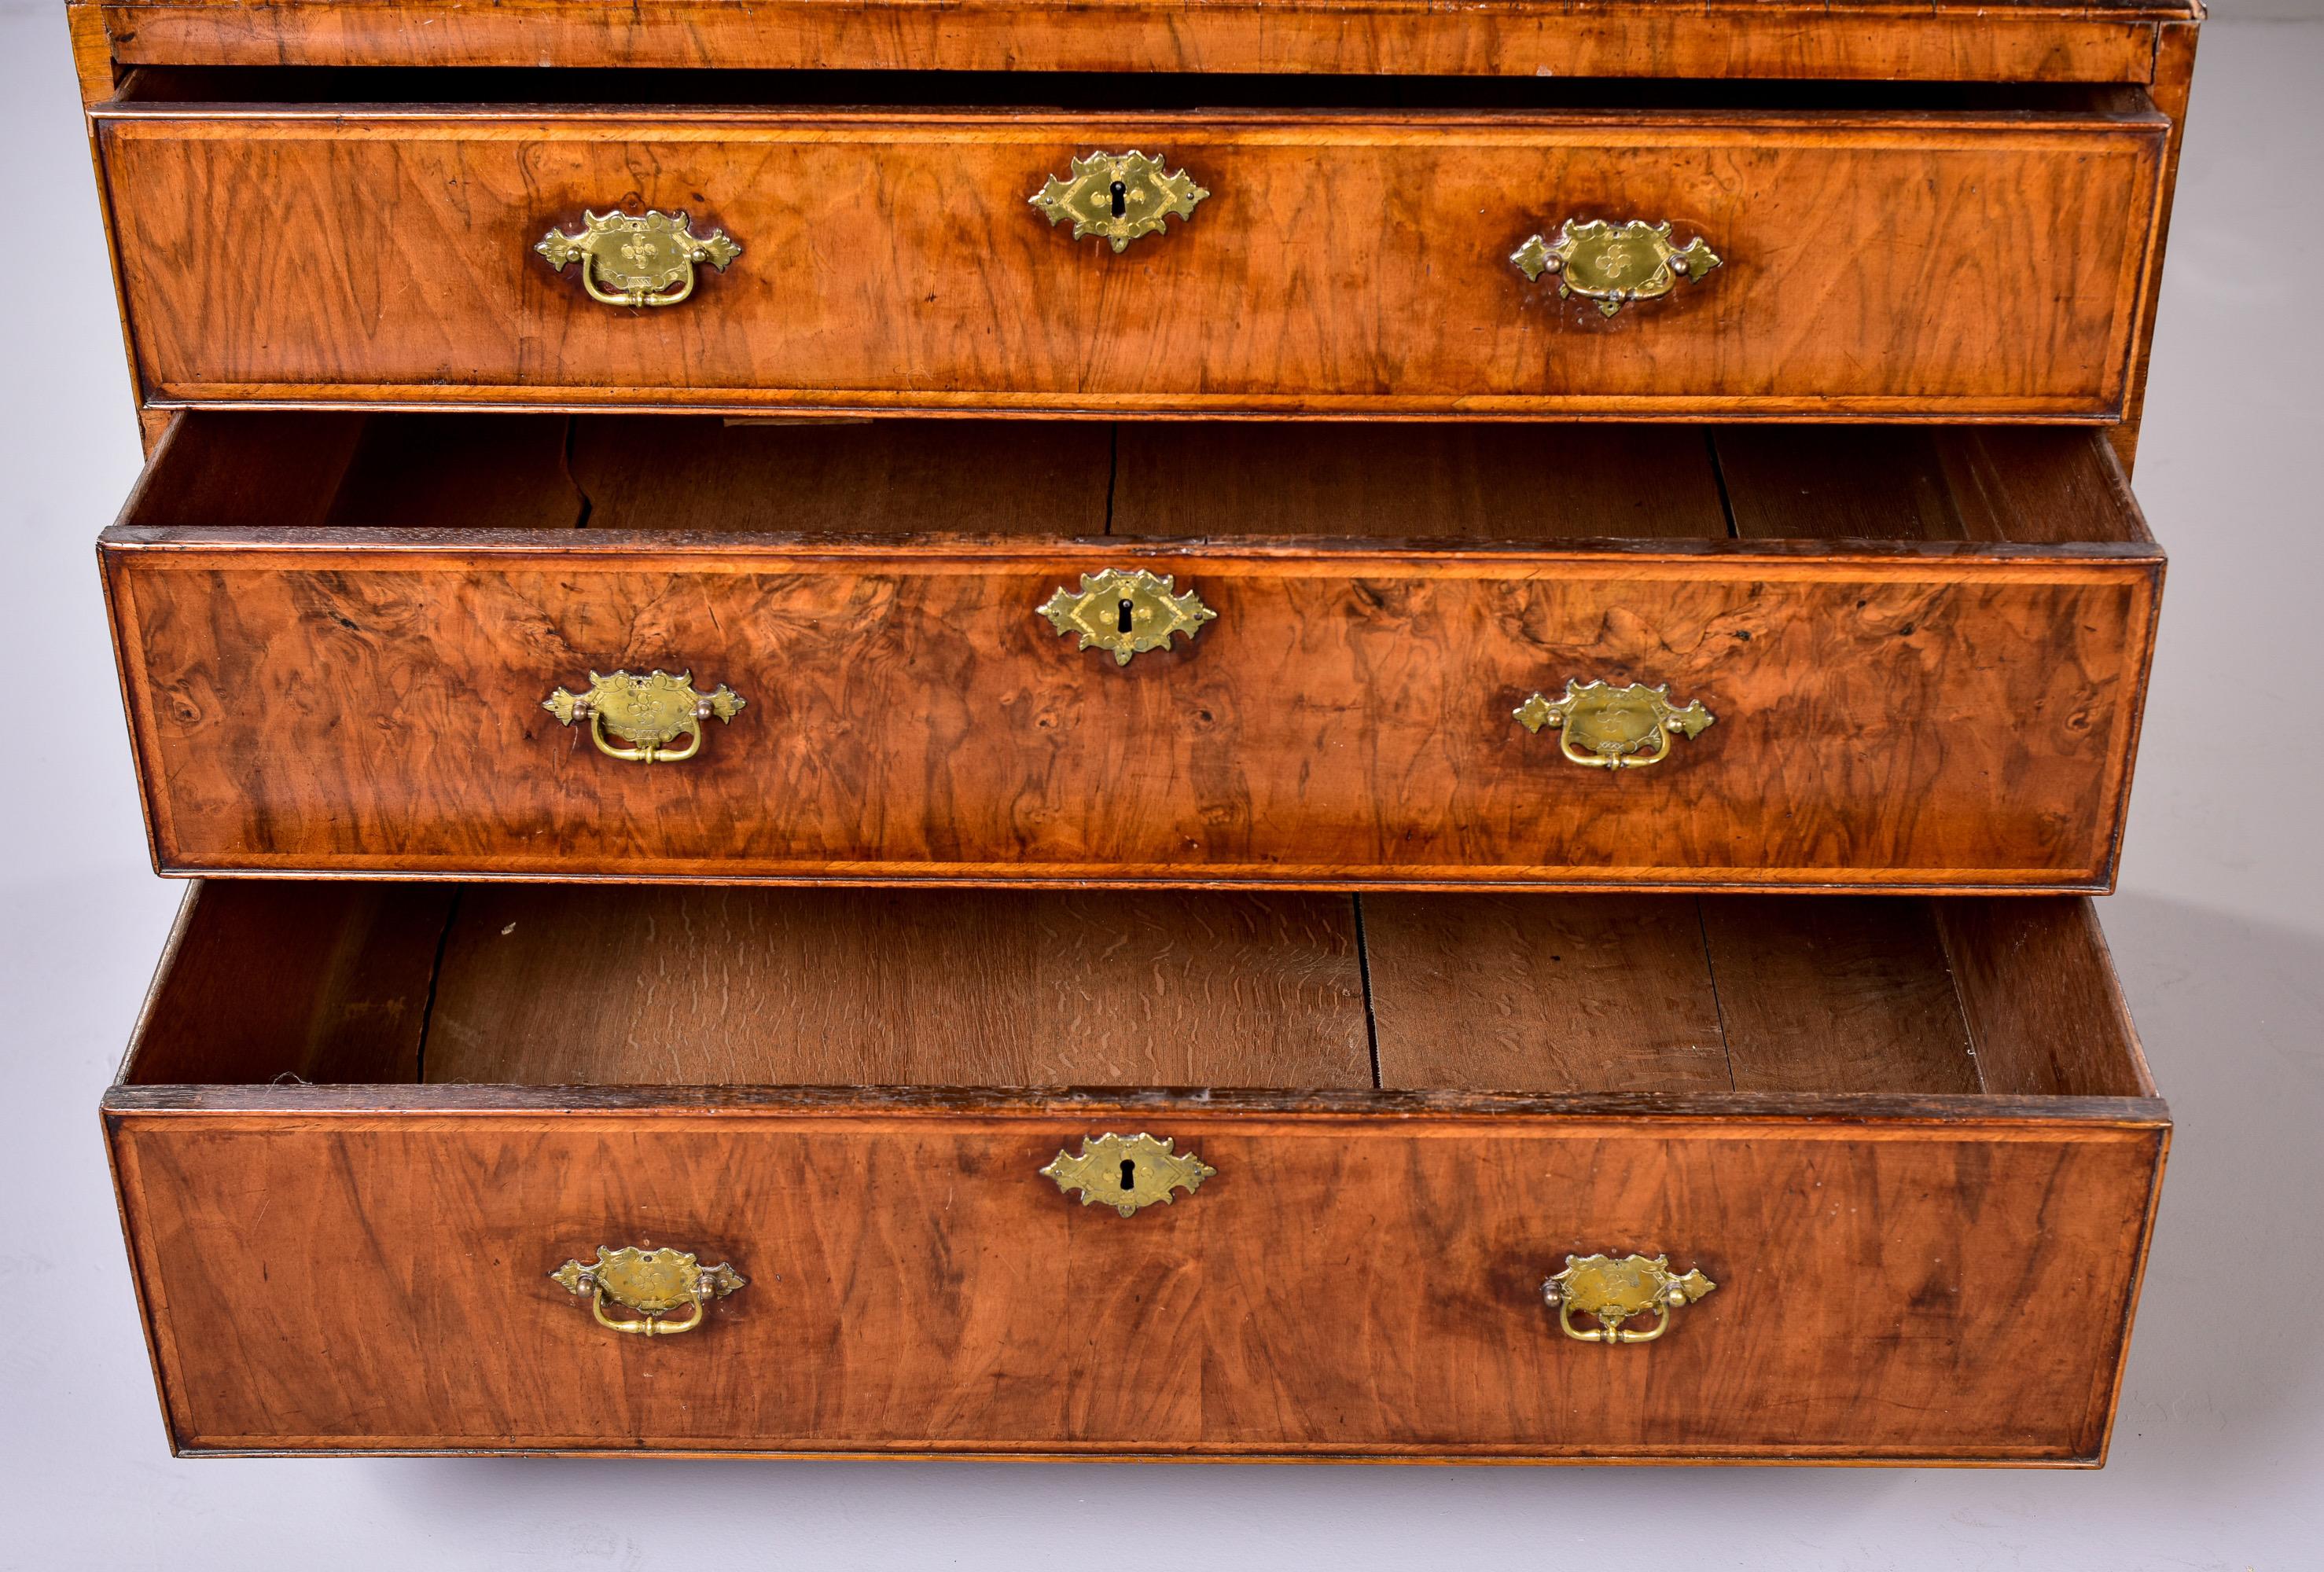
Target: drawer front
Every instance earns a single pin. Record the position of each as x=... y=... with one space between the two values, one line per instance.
x=1904 y=1291
x=1876 y=719
x=1878 y=264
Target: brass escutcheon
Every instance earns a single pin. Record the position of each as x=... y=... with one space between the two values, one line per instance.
x=1117 y=197
x=1612 y=1292
x=1614 y=264
x=628 y=260
x=1127 y=1173
x=1126 y=613
x=649 y=713
x=1611 y=727
x=653 y=1281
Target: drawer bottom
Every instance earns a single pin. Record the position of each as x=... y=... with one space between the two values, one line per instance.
x=1912 y=1146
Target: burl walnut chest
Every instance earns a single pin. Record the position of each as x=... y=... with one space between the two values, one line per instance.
x=1294 y=729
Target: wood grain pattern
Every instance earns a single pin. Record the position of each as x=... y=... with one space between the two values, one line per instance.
x=1713 y=38
x=1876 y=260
x=92 y=50
x=1543 y=994
x=1984 y=483
x=1177 y=480
x=1360 y=1278
x=977 y=477
x=1530 y=997
x=673 y=986
x=298 y=982
x=369 y=699
x=2172 y=85
x=1836 y=995
x=2042 y=1002
x=1337 y=1291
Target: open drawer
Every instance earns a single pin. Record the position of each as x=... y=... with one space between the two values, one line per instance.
x=731 y=241
x=1817 y=658
x=371 y=1139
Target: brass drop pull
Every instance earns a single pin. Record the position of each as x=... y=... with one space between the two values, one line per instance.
x=1611 y=1292
x=1127 y=1173
x=1611 y=727
x=1614 y=264
x=1126 y=613
x=1117 y=197
x=649 y=713
x=628 y=261
x=652 y=1281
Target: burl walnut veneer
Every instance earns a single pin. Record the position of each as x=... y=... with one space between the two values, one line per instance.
x=599 y=445
x=1925 y=652
x=1978 y=261
x=1925 y=1224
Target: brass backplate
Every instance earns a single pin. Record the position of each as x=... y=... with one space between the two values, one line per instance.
x=649 y=712
x=1127 y=1173
x=1614 y=264
x=1611 y=1290
x=1613 y=728
x=652 y=1280
x=636 y=260
x=1126 y=613
x=1117 y=197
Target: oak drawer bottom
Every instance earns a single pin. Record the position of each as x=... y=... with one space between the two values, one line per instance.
x=1912 y=1145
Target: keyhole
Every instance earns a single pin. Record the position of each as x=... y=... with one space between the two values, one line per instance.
x=1120 y=198
x=1128 y=1174
x=1121 y=618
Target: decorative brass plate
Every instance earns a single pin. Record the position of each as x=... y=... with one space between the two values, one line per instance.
x=637 y=262
x=655 y=1281
x=1611 y=727
x=1127 y=614
x=1127 y=1173
x=649 y=712
x=1612 y=1292
x=1119 y=196
x=1614 y=265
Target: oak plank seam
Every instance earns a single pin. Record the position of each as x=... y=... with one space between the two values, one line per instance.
x=1726 y=506
x=1710 y=965
x=435 y=980
x=1969 y=1021
x=1364 y=972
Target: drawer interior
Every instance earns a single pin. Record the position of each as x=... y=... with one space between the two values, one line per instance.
x=1160 y=479
x=272 y=983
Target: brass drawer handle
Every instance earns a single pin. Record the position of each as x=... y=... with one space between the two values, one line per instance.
x=649 y=713
x=1126 y=613
x=637 y=262
x=1612 y=1292
x=652 y=1281
x=1614 y=264
x=1117 y=197
x=1127 y=1173
x=1611 y=727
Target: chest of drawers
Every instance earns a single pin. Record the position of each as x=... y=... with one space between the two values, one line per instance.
x=1309 y=730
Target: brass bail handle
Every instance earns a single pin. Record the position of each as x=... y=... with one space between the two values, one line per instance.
x=1614 y=264
x=1613 y=1291
x=1604 y=727
x=636 y=260
x=653 y=1282
x=649 y=713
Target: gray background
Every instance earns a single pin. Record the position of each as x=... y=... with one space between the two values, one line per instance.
x=2218 y=1455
